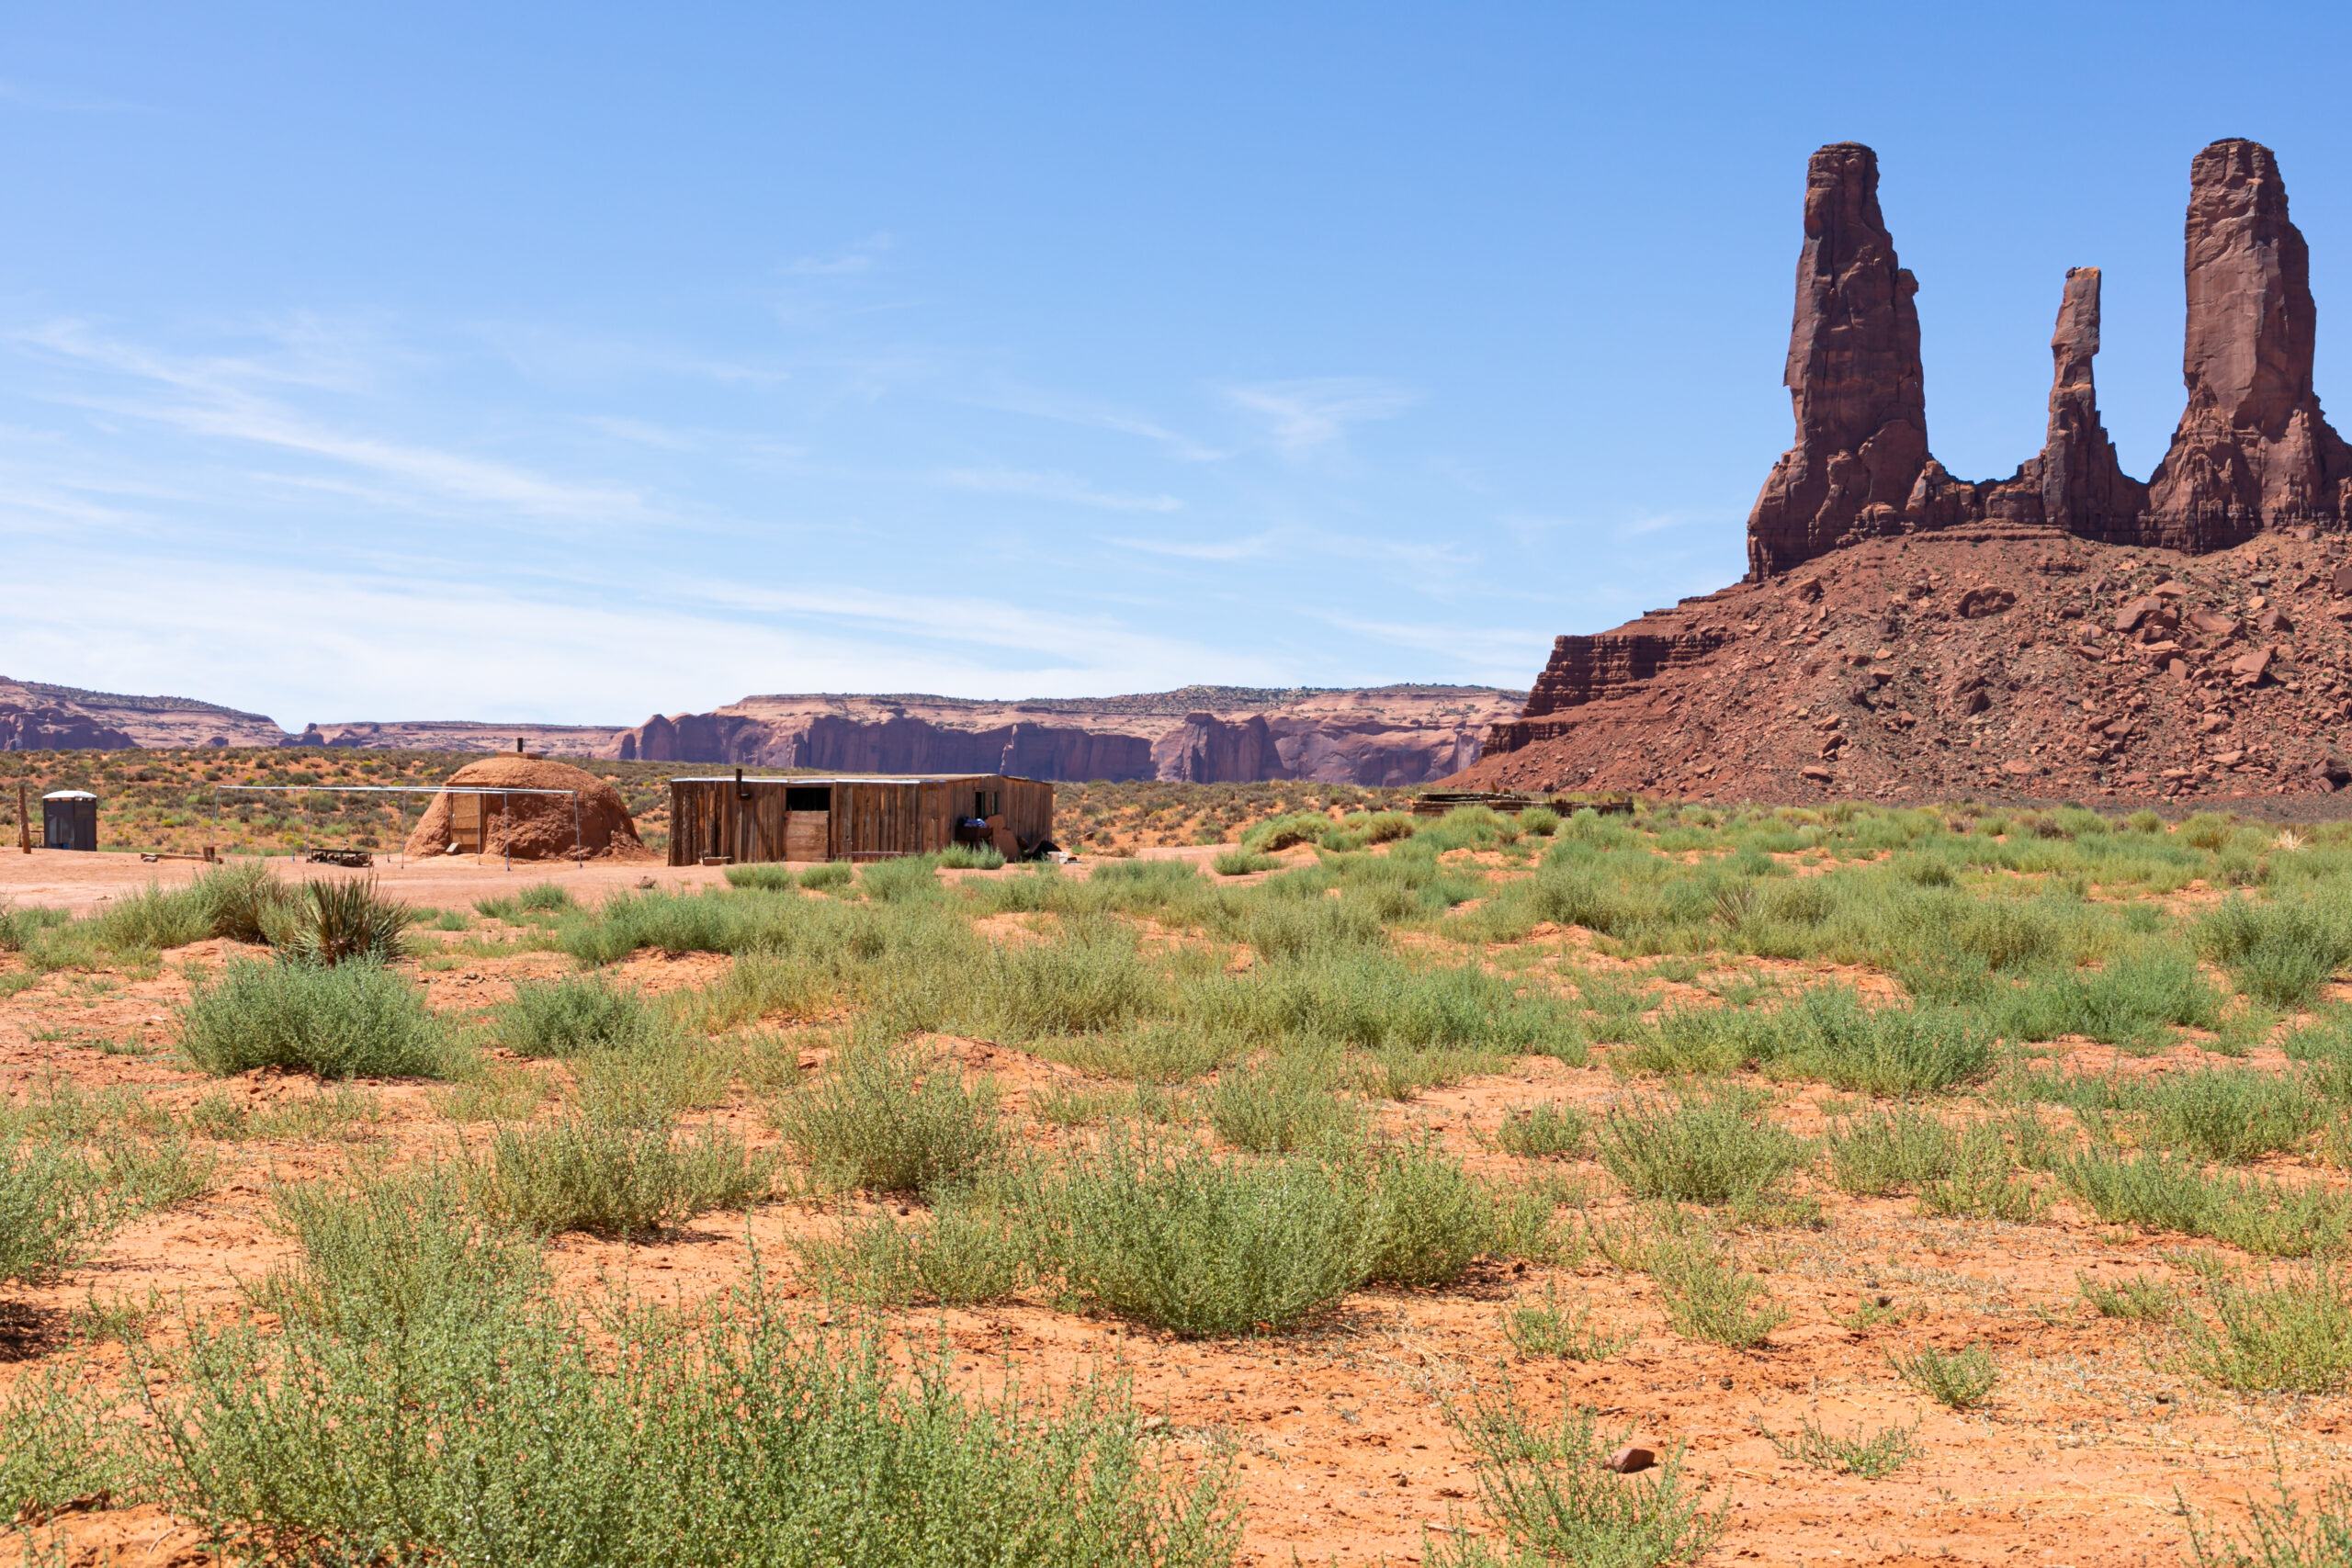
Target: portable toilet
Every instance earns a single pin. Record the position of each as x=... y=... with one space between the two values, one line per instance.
x=69 y=819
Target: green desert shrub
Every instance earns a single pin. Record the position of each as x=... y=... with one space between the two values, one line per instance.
x=2290 y=1532
x=1959 y=1380
x=1434 y=1217
x=356 y=1020
x=967 y=1253
x=1548 y=1331
x=2282 y=951
x=242 y=900
x=152 y=918
x=892 y=1120
x=1241 y=862
x=1206 y=1246
x=763 y=876
x=900 y=879
x=1557 y=1128
x=1982 y=1182
x=1703 y=1147
x=1707 y=1297
x=2232 y=1114
x=971 y=857
x=832 y=876
x=1888 y=1151
x=1282 y=1105
x=2162 y=1191
x=381 y=1254
x=577 y=1014
x=54 y=1208
x=612 y=1176
x=2283 y=1336
x=1555 y=1500
x=735 y=1433
x=1873 y=1458
x=540 y=898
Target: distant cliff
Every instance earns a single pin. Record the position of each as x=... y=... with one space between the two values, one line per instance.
x=1383 y=735
x=1386 y=735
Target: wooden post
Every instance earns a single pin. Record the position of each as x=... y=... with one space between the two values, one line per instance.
x=24 y=820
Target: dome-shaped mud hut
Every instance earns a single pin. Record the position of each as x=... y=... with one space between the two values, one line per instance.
x=528 y=826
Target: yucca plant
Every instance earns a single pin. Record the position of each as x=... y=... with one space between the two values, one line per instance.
x=331 y=920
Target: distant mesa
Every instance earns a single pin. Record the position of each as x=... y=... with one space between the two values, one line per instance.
x=1376 y=735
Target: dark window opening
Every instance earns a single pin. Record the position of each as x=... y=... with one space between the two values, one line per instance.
x=808 y=797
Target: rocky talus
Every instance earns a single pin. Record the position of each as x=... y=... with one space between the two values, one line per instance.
x=1931 y=668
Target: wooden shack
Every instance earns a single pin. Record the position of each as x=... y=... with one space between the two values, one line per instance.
x=741 y=820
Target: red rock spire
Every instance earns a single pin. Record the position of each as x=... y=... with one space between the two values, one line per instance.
x=1853 y=375
x=2253 y=449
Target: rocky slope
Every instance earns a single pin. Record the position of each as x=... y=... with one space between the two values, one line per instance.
x=2067 y=631
x=1389 y=734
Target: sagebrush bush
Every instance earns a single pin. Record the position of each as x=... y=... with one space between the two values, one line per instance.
x=1707 y=1297
x=580 y=1171
x=2232 y=1114
x=2281 y=952
x=355 y=1019
x=1282 y=1105
x=892 y=1120
x=1700 y=1148
x=538 y=899
x=1885 y=1152
x=1549 y=1331
x=54 y=1209
x=1959 y=1380
x=1434 y=1217
x=1556 y=1500
x=577 y=1014
x=765 y=876
x=971 y=857
x=1557 y=1128
x=736 y=1432
x=2283 y=1336
x=1203 y=1245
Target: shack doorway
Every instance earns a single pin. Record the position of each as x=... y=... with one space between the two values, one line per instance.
x=807 y=822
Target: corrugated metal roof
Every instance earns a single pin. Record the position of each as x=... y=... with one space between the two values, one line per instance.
x=69 y=795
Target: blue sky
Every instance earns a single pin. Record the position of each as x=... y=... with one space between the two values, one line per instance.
x=571 y=363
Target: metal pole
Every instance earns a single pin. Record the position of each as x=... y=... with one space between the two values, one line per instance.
x=575 y=829
x=506 y=822
x=24 y=819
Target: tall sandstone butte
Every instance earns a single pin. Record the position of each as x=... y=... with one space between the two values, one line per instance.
x=1853 y=375
x=2253 y=449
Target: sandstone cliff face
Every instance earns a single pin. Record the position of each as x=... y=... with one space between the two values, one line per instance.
x=2253 y=449
x=1595 y=668
x=1404 y=735
x=1853 y=375
x=39 y=718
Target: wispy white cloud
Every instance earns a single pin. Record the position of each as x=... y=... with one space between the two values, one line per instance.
x=1065 y=488
x=1040 y=404
x=851 y=259
x=1199 y=549
x=1304 y=415
x=210 y=398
